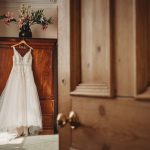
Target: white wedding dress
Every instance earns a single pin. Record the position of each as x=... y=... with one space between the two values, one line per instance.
x=19 y=101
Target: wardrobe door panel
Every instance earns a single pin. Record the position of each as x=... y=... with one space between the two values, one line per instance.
x=5 y=66
x=42 y=65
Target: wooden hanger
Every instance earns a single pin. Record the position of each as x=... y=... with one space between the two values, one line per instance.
x=22 y=42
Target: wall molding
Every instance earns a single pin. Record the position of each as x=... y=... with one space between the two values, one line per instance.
x=34 y=5
x=30 y=1
x=96 y=90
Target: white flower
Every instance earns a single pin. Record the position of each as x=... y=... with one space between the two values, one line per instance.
x=42 y=19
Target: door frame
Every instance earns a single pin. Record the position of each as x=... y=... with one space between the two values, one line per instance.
x=68 y=58
x=64 y=103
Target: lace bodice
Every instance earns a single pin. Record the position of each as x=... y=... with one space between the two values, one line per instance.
x=22 y=60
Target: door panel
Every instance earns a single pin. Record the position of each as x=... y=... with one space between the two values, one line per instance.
x=43 y=71
x=116 y=124
x=95 y=39
x=124 y=44
x=94 y=48
x=106 y=123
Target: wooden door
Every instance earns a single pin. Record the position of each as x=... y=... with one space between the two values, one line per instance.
x=99 y=46
x=44 y=51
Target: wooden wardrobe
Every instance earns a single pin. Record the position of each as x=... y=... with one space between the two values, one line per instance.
x=44 y=66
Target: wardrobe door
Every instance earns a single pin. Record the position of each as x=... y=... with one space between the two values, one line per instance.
x=43 y=68
x=5 y=64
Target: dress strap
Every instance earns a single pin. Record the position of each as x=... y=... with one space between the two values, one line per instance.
x=14 y=49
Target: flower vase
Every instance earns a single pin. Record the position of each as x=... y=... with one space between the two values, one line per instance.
x=25 y=31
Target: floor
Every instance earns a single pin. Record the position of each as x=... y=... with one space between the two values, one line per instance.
x=40 y=142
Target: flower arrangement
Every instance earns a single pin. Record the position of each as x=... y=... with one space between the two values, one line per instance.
x=27 y=18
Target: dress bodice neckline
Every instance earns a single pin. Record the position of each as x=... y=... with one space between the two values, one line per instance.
x=20 y=54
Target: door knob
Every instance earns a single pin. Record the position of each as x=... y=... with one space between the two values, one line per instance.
x=73 y=120
x=61 y=120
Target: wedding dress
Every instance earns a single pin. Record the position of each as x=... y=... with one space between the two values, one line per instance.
x=19 y=102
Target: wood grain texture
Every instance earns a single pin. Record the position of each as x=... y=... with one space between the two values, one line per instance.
x=115 y=124
x=97 y=90
x=142 y=50
x=124 y=42
x=75 y=43
x=142 y=46
x=6 y=62
x=42 y=69
x=148 y=40
x=95 y=50
x=119 y=123
x=64 y=104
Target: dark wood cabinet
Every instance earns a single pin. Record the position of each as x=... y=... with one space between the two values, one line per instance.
x=43 y=69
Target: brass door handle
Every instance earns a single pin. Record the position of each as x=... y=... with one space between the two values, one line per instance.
x=73 y=120
x=61 y=120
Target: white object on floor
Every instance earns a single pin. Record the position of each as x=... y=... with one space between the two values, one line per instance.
x=16 y=141
x=40 y=142
x=6 y=137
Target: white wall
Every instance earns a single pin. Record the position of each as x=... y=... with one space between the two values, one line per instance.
x=12 y=30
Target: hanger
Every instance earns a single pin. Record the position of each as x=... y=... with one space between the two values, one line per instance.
x=22 y=42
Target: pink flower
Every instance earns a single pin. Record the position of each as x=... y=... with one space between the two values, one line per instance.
x=9 y=15
x=8 y=18
x=6 y=21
